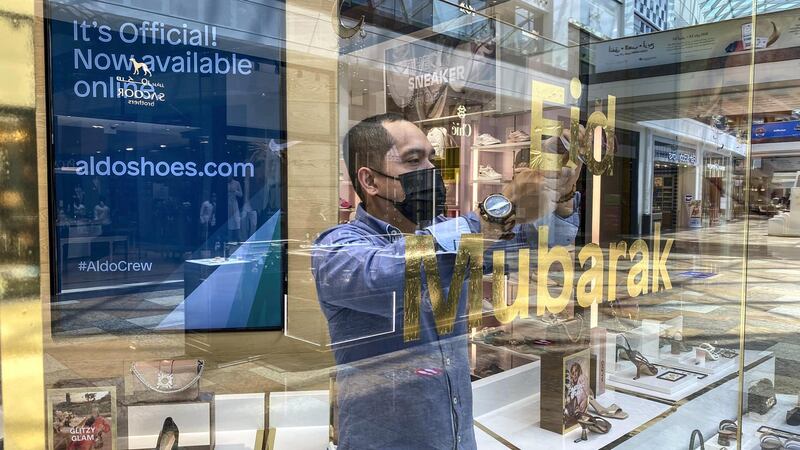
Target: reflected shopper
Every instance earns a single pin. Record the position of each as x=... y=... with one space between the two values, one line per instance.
x=393 y=394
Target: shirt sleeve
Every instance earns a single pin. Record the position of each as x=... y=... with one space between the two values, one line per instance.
x=562 y=231
x=355 y=271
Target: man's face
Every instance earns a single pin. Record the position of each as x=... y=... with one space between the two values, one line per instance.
x=411 y=152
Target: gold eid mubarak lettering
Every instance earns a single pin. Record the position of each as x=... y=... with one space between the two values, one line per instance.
x=581 y=146
x=648 y=273
x=645 y=275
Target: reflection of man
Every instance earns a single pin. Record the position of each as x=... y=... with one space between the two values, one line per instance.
x=208 y=218
x=394 y=394
x=234 y=217
x=578 y=391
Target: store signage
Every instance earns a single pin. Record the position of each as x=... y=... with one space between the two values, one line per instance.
x=776 y=130
x=163 y=137
x=427 y=79
x=675 y=156
x=461 y=128
x=687 y=198
x=698 y=43
x=647 y=274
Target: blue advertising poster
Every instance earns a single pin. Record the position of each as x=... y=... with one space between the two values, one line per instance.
x=789 y=130
x=167 y=164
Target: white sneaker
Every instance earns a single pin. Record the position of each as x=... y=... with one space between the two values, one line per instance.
x=518 y=136
x=487 y=139
x=488 y=173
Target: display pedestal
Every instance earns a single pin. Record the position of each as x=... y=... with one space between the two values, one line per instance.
x=700 y=381
x=688 y=361
x=193 y=421
x=651 y=383
x=508 y=404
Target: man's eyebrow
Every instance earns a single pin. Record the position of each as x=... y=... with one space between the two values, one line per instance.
x=420 y=151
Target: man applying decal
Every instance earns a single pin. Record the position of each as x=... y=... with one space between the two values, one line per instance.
x=394 y=394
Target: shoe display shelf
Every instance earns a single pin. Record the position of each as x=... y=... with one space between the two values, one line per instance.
x=774 y=418
x=703 y=408
x=507 y=405
x=500 y=158
x=622 y=374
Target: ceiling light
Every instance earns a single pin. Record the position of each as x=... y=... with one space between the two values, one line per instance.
x=163 y=145
x=130 y=149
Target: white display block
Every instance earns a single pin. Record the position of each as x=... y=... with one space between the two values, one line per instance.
x=508 y=404
x=652 y=382
x=301 y=438
x=645 y=339
x=787 y=224
x=764 y=370
x=518 y=423
x=651 y=330
x=611 y=352
x=688 y=361
x=193 y=421
x=237 y=419
x=299 y=409
x=316 y=438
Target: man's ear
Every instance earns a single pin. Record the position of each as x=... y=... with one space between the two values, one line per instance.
x=367 y=181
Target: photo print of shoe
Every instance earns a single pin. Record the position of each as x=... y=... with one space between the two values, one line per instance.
x=168 y=438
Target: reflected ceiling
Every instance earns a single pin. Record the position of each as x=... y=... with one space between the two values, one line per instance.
x=716 y=10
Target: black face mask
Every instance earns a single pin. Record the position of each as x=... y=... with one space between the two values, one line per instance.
x=425 y=195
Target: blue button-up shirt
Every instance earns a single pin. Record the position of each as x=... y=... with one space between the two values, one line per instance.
x=393 y=394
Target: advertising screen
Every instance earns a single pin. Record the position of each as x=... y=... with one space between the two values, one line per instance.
x=166 y=164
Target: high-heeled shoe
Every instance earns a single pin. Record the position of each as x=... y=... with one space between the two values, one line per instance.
x=643 y=366
x=594 y=424
x=613 y=411
x=168 y=437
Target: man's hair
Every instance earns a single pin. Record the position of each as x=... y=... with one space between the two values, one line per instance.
x=366 y=145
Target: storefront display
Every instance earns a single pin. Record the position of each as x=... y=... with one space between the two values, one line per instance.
x=399 y=225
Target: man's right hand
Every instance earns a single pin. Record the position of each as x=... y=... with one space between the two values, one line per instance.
x=533 y=194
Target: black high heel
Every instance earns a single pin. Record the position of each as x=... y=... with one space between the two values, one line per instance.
x=168 y=437
x=643 y=366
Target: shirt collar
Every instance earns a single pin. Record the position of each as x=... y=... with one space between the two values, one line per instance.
x=375 y=224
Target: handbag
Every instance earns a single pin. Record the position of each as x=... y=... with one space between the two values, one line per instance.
x=761 y=396
x=167 y=380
